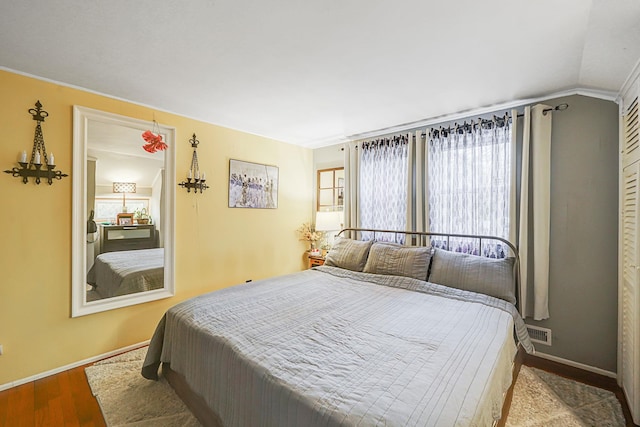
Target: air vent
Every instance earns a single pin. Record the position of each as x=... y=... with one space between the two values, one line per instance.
x=539 y=335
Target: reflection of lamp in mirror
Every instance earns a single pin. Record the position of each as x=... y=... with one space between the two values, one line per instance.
x=124 y=188
x=328 y=221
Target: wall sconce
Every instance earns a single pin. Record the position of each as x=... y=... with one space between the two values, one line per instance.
x=124 y=188
x=195 y=179
x=38 y=153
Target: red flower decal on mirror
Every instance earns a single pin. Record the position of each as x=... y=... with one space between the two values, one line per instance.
x=154 y=142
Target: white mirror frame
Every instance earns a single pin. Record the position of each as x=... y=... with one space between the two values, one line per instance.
x=79 y=305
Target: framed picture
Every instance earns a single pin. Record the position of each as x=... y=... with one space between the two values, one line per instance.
x=125 y=219
x=252 y=185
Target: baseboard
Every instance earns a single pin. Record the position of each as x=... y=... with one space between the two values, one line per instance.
x=71 y=366
x=576 y=365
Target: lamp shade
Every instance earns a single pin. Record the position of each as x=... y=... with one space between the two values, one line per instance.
x=124 y=187
x=328 y=221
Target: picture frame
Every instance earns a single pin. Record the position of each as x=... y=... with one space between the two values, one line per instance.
x=253 y=185
x=124 y=219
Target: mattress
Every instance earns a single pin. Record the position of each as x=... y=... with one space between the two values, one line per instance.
x=328 y=347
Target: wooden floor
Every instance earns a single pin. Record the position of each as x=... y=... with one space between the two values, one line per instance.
x=65 y=399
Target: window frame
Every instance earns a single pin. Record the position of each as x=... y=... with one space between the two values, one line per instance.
x=113 y=200
x=337 y=190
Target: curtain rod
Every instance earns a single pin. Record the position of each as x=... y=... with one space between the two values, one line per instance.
x=560 y=107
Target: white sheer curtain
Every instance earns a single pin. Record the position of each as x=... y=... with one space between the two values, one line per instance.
x=469 y=181
x=463 y=180
x=382 y=192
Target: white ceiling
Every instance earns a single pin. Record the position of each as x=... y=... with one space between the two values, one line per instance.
x=119 y=155
x=317 y=72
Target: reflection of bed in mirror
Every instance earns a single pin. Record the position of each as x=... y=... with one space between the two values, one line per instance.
x=126 y=272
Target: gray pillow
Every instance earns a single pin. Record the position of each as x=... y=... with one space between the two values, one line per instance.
x=490 y=276
x=348 y=254
x=398 y=260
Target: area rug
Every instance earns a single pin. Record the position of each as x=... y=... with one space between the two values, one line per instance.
x=539 y=398
x=128 y=399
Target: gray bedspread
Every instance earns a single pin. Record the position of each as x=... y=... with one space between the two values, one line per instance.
x=126 y=272
x=329 y=347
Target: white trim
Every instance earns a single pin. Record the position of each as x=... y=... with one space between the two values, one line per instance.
x=593 y=93
x=95 y=92
x=605 y=95
x=338 y=139
x=633 y=76
x=72 y=365
x=117 y=98
x=328 y=141
x=576 y=364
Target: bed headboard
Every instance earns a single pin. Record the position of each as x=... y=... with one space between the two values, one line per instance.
x=439 y=240
x=419 y=236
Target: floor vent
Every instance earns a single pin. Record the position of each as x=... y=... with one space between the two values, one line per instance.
x=539 y=335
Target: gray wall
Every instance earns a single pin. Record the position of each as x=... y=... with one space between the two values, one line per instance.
x=583 y=270
x=584 y=231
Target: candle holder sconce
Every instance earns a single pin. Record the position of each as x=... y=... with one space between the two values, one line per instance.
x=35 y=167
x=194 y=180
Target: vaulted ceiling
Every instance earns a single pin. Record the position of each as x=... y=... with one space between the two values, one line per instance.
x=318 y=72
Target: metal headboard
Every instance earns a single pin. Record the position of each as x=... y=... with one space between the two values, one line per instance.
x=417 y=234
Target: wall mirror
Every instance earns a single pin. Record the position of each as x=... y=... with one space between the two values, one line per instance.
x=123 y=213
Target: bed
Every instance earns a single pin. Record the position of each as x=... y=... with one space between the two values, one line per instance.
x=363 y=340
x=126 y=272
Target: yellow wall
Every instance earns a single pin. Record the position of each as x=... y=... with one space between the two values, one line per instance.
x=215 y=246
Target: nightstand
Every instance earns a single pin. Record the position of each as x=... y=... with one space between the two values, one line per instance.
x=315 y=261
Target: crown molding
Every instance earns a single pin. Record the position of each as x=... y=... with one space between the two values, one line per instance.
x=634 y=75
x=593 y=93
x=341 y=139
x=129 y=101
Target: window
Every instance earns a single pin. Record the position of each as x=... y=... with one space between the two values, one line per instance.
x=457 y=180
x=107 y=209
x=330 y=189
x=383 y=178
x=469 y=184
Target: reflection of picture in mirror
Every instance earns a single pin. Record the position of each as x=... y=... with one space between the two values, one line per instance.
x=126 y=187
x=125 y=219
